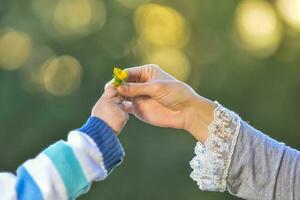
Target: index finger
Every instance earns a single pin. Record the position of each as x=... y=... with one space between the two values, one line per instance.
x=138 y=74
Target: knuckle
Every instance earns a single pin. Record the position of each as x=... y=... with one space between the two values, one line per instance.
x=180 y=86
x=126 y=90
x=157 y=86
x=154 y=67
x=109 y=91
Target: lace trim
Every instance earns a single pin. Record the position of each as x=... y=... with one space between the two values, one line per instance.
x=212 y=161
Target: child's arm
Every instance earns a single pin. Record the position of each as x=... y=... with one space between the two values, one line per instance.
x=66 y=169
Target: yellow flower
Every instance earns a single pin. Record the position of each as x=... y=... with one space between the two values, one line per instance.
x=120 y=76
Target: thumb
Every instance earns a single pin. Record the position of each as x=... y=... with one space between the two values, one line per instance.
x=138 y=89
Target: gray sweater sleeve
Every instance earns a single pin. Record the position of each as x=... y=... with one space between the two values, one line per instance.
x=262 y=168
x=242 y=160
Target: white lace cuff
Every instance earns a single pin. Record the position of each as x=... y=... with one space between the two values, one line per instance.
x=211 y=163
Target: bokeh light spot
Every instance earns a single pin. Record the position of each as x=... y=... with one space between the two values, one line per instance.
x=15 y=49
x=79 y=17
x=172 y=60
x=290 y=11
x=32 y=72
x=62 y=75
x=161 y=25
x=258 y=27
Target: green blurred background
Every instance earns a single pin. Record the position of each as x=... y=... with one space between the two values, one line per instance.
x=56 y=56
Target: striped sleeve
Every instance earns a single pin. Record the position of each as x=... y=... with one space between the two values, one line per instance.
x=66 y=169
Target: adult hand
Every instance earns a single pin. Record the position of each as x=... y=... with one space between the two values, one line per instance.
x=160 y=99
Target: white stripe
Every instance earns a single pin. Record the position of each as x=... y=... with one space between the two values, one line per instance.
x=44 y=173
x=7 y=186
x=89 y=156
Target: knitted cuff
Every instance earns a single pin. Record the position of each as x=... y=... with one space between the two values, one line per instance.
x=106 y=140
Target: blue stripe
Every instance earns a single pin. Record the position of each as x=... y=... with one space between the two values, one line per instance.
x=69 y=169
x=26 y=187
x=106 y=140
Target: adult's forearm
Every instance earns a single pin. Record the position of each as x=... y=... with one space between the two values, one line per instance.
x=249 y=164
x=263 y=168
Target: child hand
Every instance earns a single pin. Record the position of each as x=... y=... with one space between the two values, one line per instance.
x=111 y=109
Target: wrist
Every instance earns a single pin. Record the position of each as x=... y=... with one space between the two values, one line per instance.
x=106 y=141
x=199 y=116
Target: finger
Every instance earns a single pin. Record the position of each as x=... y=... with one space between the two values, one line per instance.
x=110 y=92
x=118 y=99
x=138 y=89
x=139 y=74
x=134 y=74
x=108 y=84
